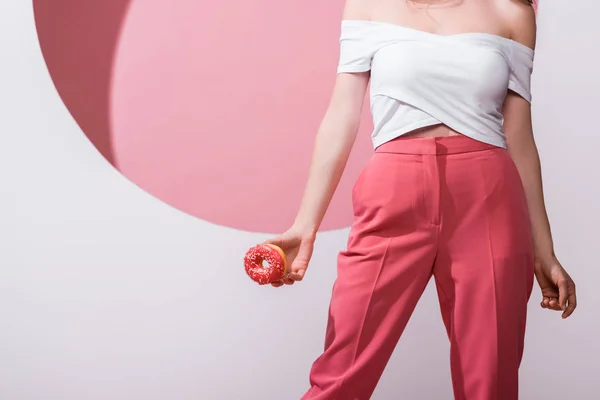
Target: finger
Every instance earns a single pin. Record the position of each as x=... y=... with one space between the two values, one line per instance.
x=288 y=281
x=295 y=276
x=562 y=292
x=572 y=304
x=550 y=303
x=304 y=253
x=277 y=241
x=277 y=284
x=545 y=302
x=554 y=305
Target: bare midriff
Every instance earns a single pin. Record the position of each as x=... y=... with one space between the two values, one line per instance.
x=431 y=131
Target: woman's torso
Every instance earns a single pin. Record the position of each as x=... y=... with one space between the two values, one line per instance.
x=439 y=19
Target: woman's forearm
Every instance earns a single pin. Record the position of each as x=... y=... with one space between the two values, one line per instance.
x=333 y=143
x=527 y=160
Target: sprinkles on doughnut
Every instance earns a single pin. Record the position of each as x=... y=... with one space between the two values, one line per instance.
x=275 y=269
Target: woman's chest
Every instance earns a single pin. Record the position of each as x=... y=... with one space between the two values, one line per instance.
x=458 y=65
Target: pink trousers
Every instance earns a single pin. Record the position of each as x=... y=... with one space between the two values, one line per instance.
x=451 y=207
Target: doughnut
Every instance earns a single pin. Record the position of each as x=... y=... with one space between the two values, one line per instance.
x=275 y=269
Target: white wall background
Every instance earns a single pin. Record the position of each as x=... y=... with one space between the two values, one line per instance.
x=109 y=294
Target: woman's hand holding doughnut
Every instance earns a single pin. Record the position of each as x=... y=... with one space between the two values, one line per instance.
x=298 y=247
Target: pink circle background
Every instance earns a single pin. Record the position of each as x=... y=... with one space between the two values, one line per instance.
x=210 y=106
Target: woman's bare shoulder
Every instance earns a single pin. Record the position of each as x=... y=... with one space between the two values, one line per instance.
x=358 y=9
x=519 y=16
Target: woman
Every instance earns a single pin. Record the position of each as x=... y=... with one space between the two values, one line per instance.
x=453 y=190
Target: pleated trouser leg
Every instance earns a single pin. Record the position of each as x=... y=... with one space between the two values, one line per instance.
x=450 y=207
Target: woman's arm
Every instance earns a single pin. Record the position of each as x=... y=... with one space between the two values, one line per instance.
x=335 y=137
x=334 y=140
x=558 y=289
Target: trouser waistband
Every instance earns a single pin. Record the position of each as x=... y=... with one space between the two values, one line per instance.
x=436 y=145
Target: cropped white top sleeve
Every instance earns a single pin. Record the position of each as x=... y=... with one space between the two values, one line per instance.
x=421 y=79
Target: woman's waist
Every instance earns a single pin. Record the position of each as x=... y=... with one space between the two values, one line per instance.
x=440 y=141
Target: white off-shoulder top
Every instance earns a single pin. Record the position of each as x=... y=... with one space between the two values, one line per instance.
x=422 y=79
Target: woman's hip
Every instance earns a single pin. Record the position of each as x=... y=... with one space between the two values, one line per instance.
x=441 y=179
